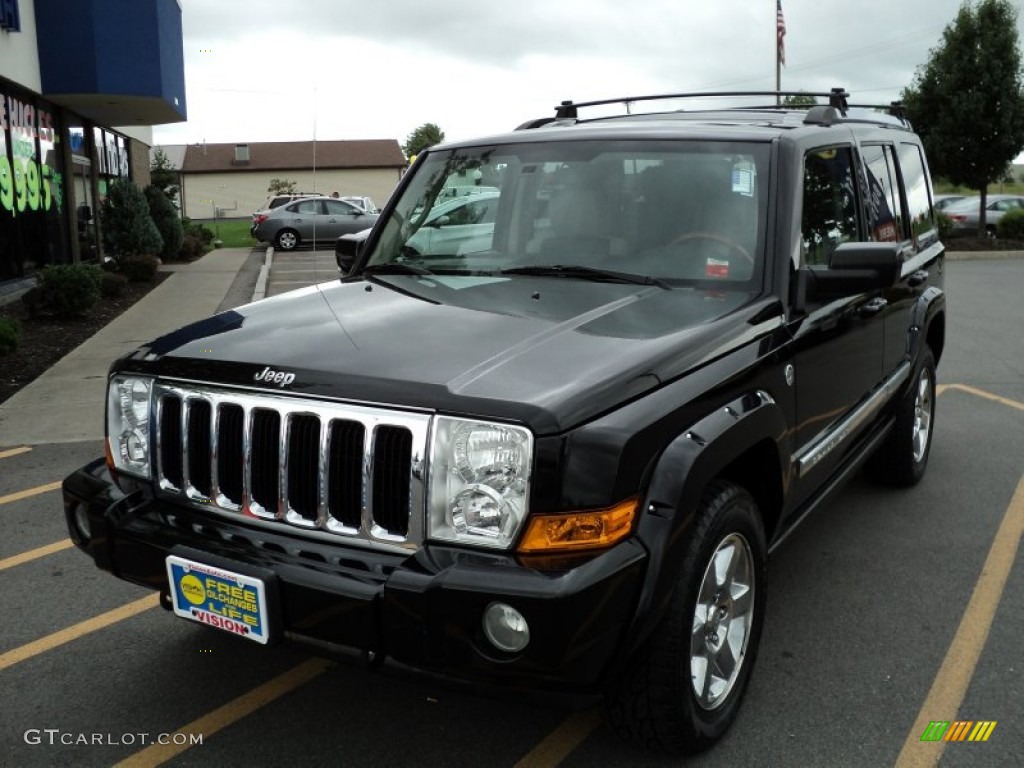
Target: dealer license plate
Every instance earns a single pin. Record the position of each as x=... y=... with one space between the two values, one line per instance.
x=219 y=598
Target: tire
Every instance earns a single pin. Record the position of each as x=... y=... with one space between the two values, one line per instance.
x=668 y=699
x=287 y=240
x=903 y=458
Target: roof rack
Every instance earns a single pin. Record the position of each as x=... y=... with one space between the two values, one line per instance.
x=837 y=98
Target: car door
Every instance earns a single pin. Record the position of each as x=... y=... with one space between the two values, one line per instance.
x=899 y=172
x=303 y=217
x=341 y=218
x=838 y=340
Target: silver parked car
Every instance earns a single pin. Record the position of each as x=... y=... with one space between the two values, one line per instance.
x=943 y=201
x=310 y=220
x=964 y=213
x=454 y=226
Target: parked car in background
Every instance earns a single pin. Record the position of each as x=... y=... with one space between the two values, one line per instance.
x=276 y=201
x=455 y=226
x=964 y=213
x=310 y=220
x=366 y=203
x=942 y=202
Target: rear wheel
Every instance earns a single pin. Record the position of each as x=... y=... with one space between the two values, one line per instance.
x=683 y=690
x=903 y=458
x=287 y=239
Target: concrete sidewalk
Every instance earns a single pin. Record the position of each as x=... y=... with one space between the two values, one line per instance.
x=66 y=403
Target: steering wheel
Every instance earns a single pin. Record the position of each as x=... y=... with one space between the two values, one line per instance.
x=732 y=245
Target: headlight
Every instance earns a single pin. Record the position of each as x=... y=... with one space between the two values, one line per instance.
x=479 y=481
x=128 y=407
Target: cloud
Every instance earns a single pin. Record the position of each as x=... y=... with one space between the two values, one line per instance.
x=260 y=70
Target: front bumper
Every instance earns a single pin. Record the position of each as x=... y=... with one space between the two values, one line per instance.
x=423 y=610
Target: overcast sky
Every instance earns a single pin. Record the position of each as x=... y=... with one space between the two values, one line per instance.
x=266 y=70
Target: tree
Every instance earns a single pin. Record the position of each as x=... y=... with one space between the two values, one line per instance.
x=163 y=175
x=798 y=100
x=427 y=135
x=281 y=187
x=128 y=228
x=967 y=101
x=167 y=221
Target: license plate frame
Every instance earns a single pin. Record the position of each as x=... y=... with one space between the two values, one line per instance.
x=220 y=597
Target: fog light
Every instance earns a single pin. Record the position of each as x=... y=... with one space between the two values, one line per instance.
x=82 y=522
x=506 y=628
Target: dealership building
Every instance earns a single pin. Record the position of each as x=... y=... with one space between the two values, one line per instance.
x=81 y=84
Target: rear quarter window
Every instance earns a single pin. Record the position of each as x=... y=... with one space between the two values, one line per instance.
x=917 y=188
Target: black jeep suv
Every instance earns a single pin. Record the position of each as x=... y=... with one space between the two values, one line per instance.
x=555 y=453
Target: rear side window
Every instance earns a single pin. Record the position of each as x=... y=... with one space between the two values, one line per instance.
x=830 y=203
x=916 y=188
x=306 y=206
x=885 y=213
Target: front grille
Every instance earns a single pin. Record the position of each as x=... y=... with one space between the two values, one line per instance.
x=345 y=471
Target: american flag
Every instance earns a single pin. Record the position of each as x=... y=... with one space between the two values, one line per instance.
x=780 y=31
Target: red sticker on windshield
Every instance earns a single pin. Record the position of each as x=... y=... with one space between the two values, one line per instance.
x=717 y=269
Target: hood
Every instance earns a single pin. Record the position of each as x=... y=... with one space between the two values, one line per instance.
x=548 y=352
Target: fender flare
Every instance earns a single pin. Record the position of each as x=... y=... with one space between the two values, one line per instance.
x=929 y=308
x=678 y=479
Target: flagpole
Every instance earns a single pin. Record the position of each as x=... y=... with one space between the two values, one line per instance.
x=780 y=51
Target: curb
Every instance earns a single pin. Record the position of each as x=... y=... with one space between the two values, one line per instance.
x=260 y=291
x=983 y=255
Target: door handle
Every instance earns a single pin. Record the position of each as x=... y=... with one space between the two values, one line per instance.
x=917 y=278
x=873 y=307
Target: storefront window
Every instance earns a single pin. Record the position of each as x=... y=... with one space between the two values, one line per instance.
x=32 y=224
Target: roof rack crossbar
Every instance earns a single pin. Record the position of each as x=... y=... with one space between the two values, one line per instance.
x=568 y=109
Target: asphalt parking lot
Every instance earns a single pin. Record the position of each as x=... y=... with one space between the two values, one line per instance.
x=887 y=611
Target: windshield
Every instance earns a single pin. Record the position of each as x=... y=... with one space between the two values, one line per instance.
x=679 y=211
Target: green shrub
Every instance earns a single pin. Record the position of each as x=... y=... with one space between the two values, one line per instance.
x=113 y=285
x=71 y=289
x=140 y=269
x=167 y=221
x=191 y=247
x=1011 y=226
x=128 y=228
x=200 y=232
x=945 y=225
x=10 y=335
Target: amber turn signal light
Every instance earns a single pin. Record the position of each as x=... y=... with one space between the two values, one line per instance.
x=573 y=531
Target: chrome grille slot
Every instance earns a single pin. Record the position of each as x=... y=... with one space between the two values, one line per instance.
x=391 y=450
x=169 y=422
x=344 y=483
x=303 y=458
x=265 y=462
x=200 y=468
x=332 y=470
x=230 y=451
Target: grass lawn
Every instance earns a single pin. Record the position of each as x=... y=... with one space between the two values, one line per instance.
x=234 y=232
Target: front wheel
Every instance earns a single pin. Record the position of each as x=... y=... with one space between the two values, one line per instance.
x=683 y=690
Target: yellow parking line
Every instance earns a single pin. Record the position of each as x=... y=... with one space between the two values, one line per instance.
x=29 y=493
x=562 y=741
x=81 y=629
x=14 y=451
x=230 y=713
x=982 y=393
x=950 y=685
x=35 y=554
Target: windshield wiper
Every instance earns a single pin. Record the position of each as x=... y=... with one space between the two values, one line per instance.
x=587 y=273
x=395 y=268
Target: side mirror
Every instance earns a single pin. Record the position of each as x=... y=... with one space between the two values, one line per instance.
x=347 y=249
x=853 y=268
